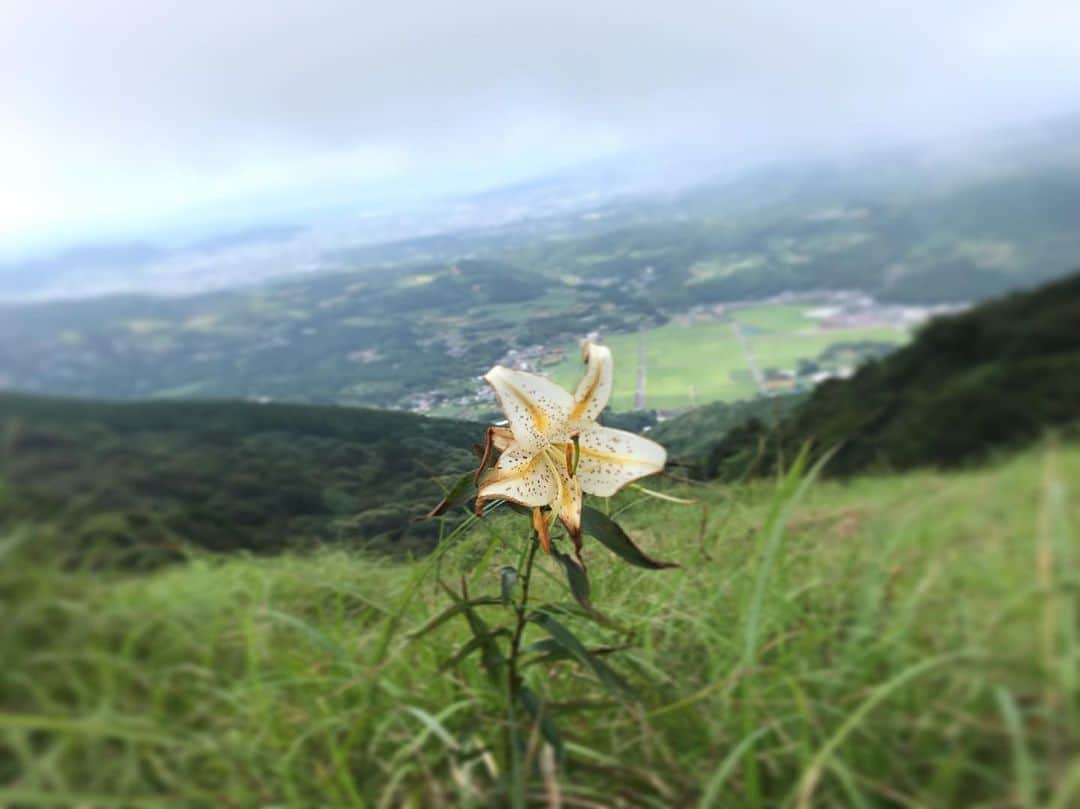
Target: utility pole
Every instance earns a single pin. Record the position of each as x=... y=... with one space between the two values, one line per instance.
x=748 y=355
x=639 y=393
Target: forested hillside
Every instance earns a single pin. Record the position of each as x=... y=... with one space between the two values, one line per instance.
x=690 y=438
x=145 y=479
x=994 y=377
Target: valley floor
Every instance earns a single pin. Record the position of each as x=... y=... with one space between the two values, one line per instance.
x=902 y=641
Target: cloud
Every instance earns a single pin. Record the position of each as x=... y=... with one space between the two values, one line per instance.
x=112 y=107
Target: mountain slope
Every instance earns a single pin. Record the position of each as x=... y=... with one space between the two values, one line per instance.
x=690 y=437
x=995 y=376
x=152 y=476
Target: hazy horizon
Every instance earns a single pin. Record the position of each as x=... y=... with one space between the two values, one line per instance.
x=124 y=118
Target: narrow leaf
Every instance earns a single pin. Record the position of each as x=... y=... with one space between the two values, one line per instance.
x=576 y=577
x=1023 y=770
x=537 y=713
x=461 y=492
x=490 y=656
x=550 y=651
x=661 y=495
x=565 y=638
x=434 y=726
x=789 y=493
x=473 y=645
x=454 y=609
x=547 y=646
x=601 y=527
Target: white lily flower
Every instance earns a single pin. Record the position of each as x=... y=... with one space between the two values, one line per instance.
x=540 y=465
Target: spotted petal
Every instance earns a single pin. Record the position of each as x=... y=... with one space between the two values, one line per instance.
x=594 y=390
x=520 y=476
x=536 y=408
x=609 y=459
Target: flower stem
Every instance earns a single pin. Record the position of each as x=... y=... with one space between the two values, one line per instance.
x=519 y=630
x=517 y=777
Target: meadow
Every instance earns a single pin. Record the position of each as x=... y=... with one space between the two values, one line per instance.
x=778 y=335
x=899 y=641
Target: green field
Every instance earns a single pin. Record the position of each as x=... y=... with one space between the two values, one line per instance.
x=892 y=641
x=692 y=362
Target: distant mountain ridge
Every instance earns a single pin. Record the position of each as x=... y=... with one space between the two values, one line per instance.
x=1015 y=189
x=86 y=269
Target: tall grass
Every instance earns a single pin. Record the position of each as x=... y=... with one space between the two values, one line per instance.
x=906 y=641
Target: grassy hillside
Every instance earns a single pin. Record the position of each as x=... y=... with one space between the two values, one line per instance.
x=995 y=376
x=148 y=478
x=911 y=642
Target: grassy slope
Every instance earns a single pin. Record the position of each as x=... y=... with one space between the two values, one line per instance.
x=914 y=647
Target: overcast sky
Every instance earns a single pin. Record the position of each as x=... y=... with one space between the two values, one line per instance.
x=116 y=115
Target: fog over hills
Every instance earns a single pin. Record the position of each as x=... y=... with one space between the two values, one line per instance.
x=221 y=259
x=999 y=171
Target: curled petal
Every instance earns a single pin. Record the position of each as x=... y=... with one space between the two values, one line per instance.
x=609 y=459
x=522 y=477
x=536 y=408
x=543 y=531
x=499 y=438
x=568 y=499
x=594 y=390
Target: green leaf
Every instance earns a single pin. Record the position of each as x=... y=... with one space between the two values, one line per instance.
x=507 y=580
x=547 y=646
x=548 y=651
x=434 y=726
x=601 y=527
x=457 y=608
x=473 y=645
x=460 y=493
x=575 y=577
x=788 y=495
x=571 y=610
x=490 y=656
x=565 y=638
x=537 y=713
